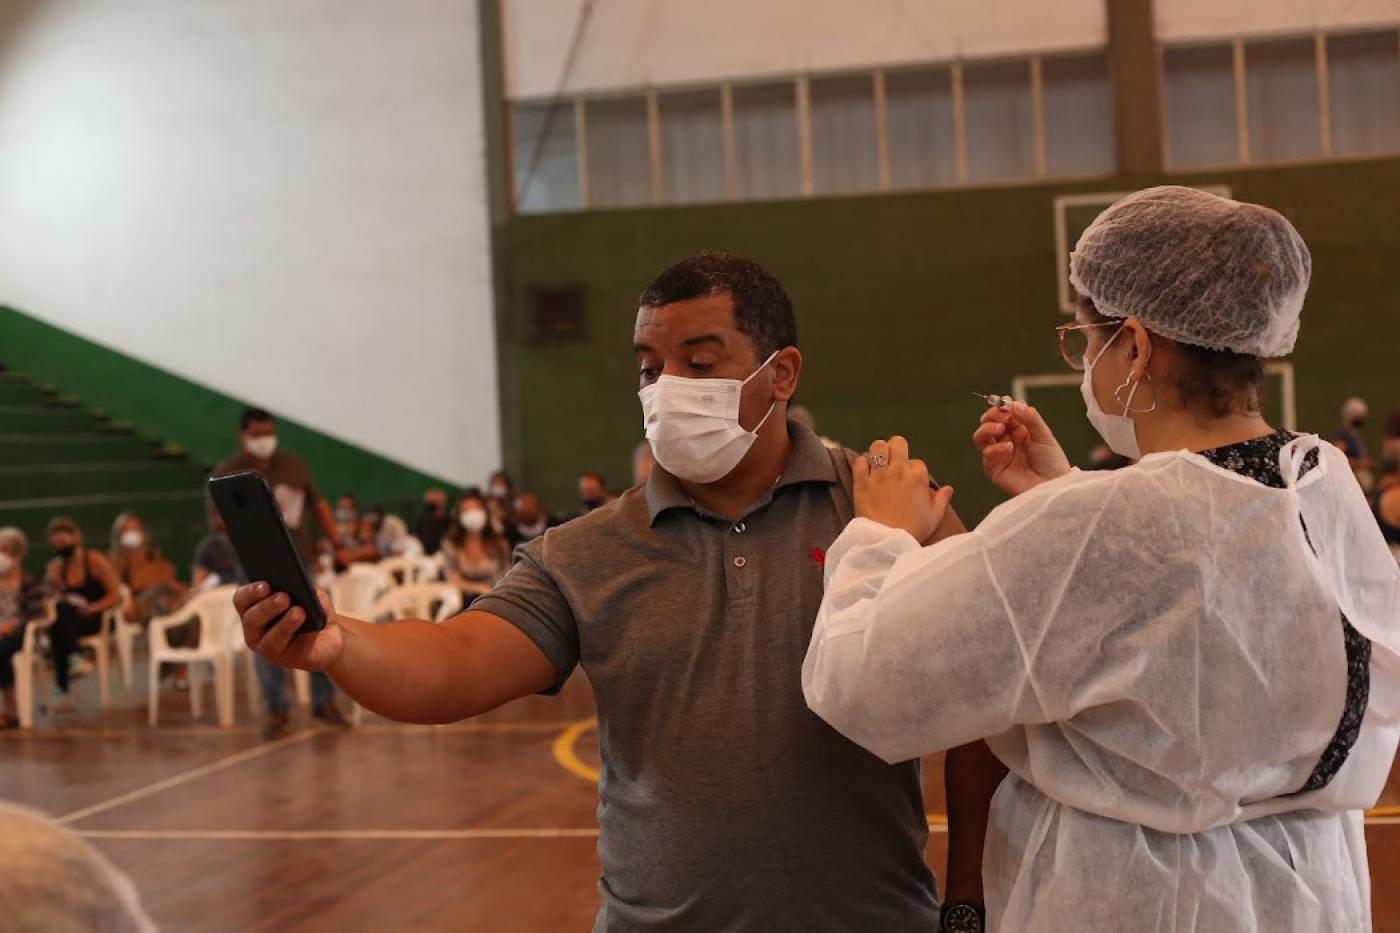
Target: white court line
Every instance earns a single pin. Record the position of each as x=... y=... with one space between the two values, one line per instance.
x=184 y=777
x=296 y=835
x=322 y=834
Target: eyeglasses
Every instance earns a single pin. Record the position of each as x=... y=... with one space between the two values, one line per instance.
x=1074 y=342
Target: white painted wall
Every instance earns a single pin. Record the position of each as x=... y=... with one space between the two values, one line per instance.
x=636 y=43
x=281 y=199
x=1192 y=20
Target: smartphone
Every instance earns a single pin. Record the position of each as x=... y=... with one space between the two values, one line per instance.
x=263 y=542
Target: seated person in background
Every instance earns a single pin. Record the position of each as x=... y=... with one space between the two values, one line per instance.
x=215 y=560
x=21 y=602
x=52 y=880
x=529 y=521
x=592 y=492
x=139 y=564
x=501 y=487
x=1348 y=440
x=86 y=586
x=393 y=539
x=476 y=555
x=354 y=534
x=498 y=513
x=1385 y=502
x=434 y=522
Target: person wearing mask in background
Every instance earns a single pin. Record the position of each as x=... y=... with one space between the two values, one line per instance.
x=1349 y=441
x=498 y=513
x=1191 y=666
x=1385 y=502
x=592 y=492
x=501 y=487
x=301 y=504
x=642 y=462
x=356 y=534
x=689 y=603
x=529 y=520
x=1390 y=442
x=143 y=570
x=393 y=539
x=477 y=556
x=86 y=586
x=434 y=522
x=21 y=602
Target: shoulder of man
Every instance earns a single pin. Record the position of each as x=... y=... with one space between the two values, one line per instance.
x=232 y=464
x=587 y=537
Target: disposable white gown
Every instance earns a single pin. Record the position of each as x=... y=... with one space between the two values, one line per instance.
x=1158 y=656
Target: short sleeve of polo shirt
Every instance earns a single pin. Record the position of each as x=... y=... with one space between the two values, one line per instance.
x=529 y=598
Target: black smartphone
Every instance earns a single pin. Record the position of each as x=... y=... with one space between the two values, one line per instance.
x=263 y=542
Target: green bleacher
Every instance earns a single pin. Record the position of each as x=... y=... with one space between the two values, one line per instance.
x=62 y=456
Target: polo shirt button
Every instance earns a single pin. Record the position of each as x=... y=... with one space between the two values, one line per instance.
x=740 y=528
x=740 y=562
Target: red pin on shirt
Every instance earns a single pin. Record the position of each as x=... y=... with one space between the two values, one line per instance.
x=819 y=555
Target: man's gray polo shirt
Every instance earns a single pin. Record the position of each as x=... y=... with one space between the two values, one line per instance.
x=724 y=803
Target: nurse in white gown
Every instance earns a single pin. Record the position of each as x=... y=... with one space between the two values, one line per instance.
x=1190 y=666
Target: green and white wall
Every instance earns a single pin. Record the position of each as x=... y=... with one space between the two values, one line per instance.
x=256 y=201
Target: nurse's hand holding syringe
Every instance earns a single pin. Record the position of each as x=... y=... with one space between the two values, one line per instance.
x=1019 y=452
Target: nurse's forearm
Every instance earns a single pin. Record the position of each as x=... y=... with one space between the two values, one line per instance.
x=971 y=776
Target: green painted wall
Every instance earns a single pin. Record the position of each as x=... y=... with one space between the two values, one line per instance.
x=203 y=421
x=908 y=303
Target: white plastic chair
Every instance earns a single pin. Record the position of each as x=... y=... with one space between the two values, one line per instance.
x=116 y=629
x=124 y=634
x=218 y=622
x=28 y=665
x=406 y=570
x=434 y=601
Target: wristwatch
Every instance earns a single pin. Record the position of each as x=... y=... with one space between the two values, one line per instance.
x=962 y=918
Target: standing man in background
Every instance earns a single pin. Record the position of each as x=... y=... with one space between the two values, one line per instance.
x=297 y=497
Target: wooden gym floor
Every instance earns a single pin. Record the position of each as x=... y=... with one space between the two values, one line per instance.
x=485 y=825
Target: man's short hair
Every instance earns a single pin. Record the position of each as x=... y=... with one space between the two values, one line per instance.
x=762 y=309
x=254 y=416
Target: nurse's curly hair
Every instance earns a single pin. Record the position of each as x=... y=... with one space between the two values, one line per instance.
x=762 y=310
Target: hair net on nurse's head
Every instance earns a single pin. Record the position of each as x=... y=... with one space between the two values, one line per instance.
x=1197 y=268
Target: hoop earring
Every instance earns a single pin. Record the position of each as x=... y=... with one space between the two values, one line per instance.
x=1117 y=396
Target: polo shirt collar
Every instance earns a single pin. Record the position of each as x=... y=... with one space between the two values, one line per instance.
x=809 y=461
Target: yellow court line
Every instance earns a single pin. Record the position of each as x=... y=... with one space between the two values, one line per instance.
x=568 y=759
x=564 y=750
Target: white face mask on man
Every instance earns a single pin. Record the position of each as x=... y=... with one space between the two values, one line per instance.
x=1119 y=432
x=693 y=424
x=261 y=447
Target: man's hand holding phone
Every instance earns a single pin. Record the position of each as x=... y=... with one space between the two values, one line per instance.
x=271 y=623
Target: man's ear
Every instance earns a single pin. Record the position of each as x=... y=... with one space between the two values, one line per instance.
x=787 y=369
